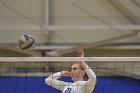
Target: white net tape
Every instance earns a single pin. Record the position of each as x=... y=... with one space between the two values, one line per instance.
x=7 y=59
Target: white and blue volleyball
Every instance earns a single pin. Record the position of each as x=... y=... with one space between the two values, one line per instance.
x=26 y=42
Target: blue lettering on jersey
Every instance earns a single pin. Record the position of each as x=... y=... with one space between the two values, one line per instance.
x=68 y=90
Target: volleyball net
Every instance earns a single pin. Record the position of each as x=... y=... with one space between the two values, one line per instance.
x=22 y=74
x=43 y=66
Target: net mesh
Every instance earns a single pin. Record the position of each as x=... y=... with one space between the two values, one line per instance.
x=27 y=73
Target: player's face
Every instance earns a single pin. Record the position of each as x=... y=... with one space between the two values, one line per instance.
x=76 y=72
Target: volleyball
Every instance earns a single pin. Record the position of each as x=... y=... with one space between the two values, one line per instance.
x=26 y=42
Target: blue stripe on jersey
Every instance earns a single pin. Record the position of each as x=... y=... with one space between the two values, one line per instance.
x=68 y=90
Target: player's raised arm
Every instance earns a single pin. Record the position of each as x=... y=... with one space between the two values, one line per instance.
x=91 y=75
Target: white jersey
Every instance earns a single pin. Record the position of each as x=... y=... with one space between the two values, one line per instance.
x=76 y=87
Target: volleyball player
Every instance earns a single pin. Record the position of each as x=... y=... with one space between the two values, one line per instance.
x=77 y=73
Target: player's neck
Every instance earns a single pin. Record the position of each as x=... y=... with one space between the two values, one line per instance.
x=80 y=79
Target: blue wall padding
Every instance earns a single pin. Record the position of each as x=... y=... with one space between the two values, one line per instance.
x=37 y=85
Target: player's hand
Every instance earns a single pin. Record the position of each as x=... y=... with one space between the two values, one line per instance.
x=81 y=53
x=65 y=73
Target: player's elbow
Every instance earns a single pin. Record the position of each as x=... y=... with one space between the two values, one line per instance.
x=92 y=80
x=92 y=77
x=48 y=81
